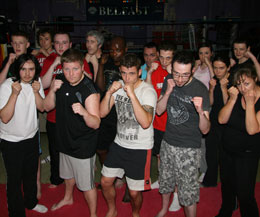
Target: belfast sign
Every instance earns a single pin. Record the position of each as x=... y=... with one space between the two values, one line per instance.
x=124 y=12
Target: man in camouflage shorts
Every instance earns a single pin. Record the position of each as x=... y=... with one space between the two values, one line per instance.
x=187 y=102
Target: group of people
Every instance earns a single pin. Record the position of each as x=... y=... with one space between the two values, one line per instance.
x=194 y=116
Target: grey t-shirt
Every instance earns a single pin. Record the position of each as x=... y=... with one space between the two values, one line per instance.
x=182 y=128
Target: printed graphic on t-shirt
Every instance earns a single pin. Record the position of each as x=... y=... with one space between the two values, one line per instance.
x=57 y=71
x=127 y=125
x=177 y=111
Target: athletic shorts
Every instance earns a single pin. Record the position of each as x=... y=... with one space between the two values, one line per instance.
x=179 y=167
x=135 y=164
x=82 y=170
x=158 y=136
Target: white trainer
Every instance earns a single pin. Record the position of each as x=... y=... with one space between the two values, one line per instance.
x=155 y=185
x=40 y=208
x=175 y=206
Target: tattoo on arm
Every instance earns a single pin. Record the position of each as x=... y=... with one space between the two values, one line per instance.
x=148 y=108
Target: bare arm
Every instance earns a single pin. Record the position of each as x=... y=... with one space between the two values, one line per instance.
x=47 y=78
x=163 y=99
x=50 y=100
x=255 y=61
x=108 y=101
x=38 y=98
x=154 y=66
x=223 y=86
x=252 y=118
x=225 y=112
x=204 y=123
x=212 y=85
x=7 y=112
x=4 y=72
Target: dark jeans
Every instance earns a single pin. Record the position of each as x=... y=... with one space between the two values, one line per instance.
x=238 y=175
x=21 y=164
x=213 y=151
x=54 y=154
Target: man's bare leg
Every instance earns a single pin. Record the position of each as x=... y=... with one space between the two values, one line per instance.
x=190 y=211
x=68 y=196
x=136 y=202
x=91 y=198
x=109 y=193
x=165 y=204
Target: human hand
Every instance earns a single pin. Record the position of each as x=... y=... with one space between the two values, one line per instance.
x=11 y=58
x=170 y=86
x=232 y=62
x=223 y=82
x=129 y=89
x=212 y=84
x=114 y=87
x=36 y=86
x=78 y=109
x=16 y=88
x=233 y=93
x=154 y=66
x=104 y=59
x=197 y=101
x=56 y=84
x=250 y=97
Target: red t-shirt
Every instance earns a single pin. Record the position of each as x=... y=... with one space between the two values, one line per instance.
x=51 y=116
x=157 y=78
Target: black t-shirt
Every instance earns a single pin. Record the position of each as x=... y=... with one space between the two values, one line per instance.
x=236 y=139
x=111 y=73
x=182 y=127
x=218 y=101
x=73 y=136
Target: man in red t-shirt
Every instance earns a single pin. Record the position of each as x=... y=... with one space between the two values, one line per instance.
x=52 y=67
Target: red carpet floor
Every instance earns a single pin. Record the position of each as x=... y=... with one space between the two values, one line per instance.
x=210 y=201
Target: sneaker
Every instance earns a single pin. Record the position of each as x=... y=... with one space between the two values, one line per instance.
x=46 y=160
x=155 y=185
x=200 y=179
x=175 y=206
x=40 y=208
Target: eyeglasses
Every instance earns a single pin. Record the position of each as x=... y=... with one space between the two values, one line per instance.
x=178 y=75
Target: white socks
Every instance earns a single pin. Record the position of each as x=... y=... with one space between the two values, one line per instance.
x=40 y=208
x=175 y=206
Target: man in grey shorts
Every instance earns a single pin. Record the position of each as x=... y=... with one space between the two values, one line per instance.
x=77 y=121
x=187 y=102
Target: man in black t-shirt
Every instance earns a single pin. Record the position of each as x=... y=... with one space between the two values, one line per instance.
x=77 y=121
